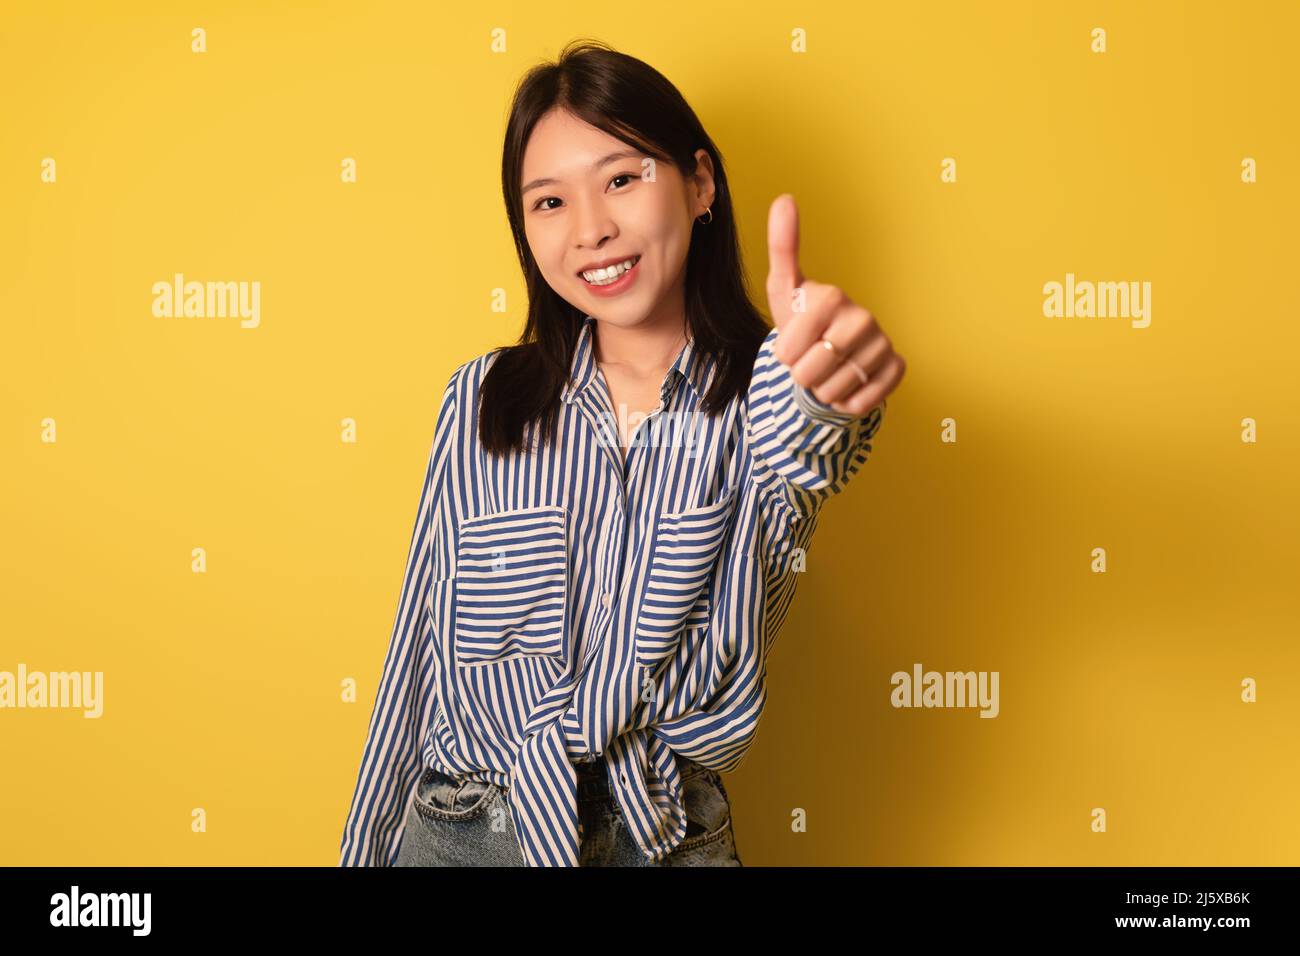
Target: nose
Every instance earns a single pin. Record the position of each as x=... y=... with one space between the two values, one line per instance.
x=593 y=225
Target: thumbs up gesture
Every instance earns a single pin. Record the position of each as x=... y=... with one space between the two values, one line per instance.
x=833 y=347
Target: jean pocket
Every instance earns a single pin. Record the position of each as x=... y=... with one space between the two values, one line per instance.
x=511 y=583
x=440 y=796
x=683 y=555
x=708 y=811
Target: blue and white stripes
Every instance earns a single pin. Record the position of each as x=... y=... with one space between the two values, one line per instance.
x=562 y=605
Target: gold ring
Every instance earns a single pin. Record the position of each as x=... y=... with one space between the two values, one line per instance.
x=831 y=347
x=858 y=368
x=844 y=358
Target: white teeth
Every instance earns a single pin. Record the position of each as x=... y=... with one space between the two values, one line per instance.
x=608 y=275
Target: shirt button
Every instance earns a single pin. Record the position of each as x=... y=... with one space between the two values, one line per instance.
x=605 y=599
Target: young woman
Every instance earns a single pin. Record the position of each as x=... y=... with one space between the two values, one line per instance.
x=615 y=509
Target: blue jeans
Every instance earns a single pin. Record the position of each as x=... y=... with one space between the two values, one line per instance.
x=455 y=822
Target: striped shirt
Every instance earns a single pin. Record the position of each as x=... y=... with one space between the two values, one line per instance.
x=567 y=604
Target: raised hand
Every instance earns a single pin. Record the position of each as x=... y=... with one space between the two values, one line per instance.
x=862 y=368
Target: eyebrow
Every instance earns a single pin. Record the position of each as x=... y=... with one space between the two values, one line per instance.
x=603 y=161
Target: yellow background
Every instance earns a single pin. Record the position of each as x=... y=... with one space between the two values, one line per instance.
x=222 y=690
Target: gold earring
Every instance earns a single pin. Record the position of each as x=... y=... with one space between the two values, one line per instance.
x=702 y=221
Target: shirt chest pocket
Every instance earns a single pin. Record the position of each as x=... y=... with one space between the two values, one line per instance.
x=512 y=582
x=684 y=554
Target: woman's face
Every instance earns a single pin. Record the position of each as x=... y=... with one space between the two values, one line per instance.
x=600 y=203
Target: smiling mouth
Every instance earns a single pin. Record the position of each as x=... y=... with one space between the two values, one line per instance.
x=603 y=277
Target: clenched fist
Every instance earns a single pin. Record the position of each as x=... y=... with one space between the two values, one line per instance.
x=862 y=368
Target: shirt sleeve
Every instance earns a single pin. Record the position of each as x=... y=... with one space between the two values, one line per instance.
x=405 y=700
x=804 y=449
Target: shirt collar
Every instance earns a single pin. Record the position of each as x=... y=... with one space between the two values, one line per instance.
x=691 y=366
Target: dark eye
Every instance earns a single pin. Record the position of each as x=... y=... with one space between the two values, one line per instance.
x=538 y=204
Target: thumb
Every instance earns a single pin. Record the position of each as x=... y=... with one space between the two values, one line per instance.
x=783 y=273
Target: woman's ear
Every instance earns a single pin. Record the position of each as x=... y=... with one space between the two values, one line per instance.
x=705 y=190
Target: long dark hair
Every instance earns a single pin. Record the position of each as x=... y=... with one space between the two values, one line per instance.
x=630 y=100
